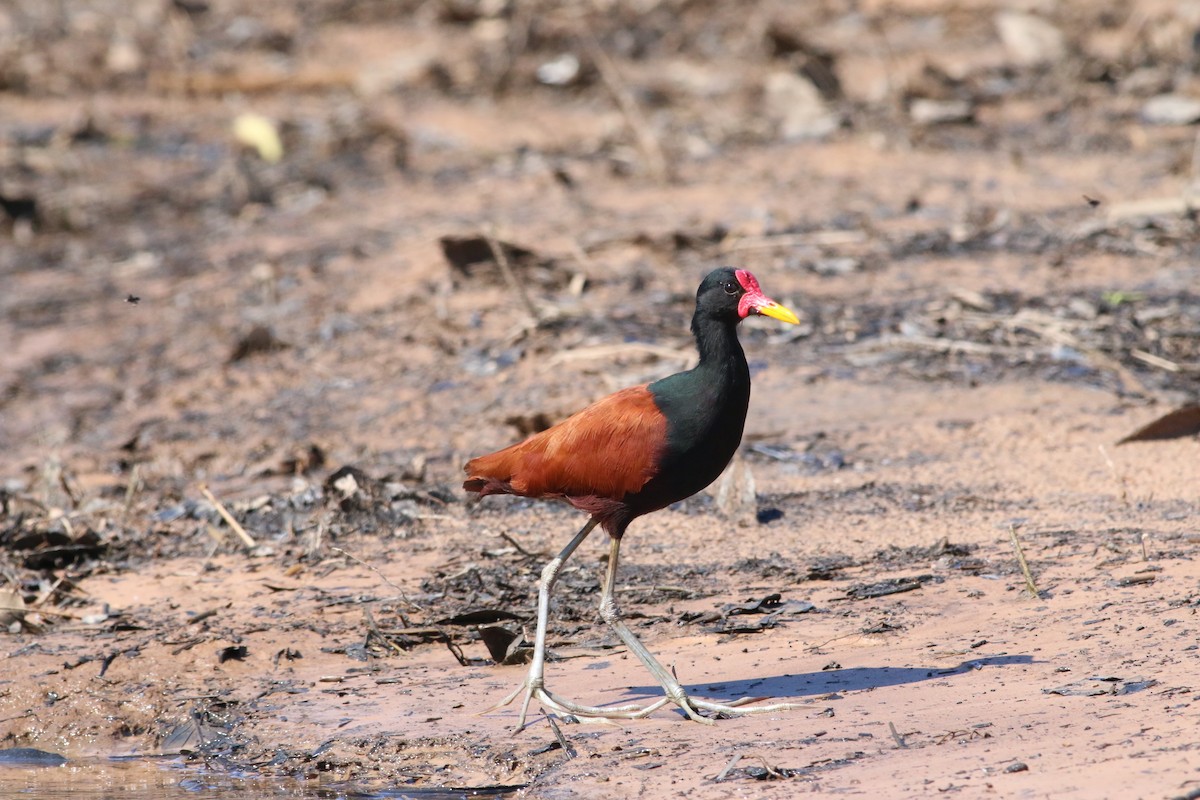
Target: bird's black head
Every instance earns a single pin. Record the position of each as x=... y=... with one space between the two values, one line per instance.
x=733 y=294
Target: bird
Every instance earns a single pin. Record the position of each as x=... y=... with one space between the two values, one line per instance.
x=628 y=454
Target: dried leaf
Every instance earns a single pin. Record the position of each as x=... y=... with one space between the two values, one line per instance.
x=259 y=134
x=1179 y=423
x=232 y=653
x=30 y=757
x=504 y=646
x=465 y=253
x=479 y=616
x=259 y=339
x=187 y=736
x=764 y=606
x=886 y=587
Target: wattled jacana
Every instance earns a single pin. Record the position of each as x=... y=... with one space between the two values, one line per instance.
x=631 y=453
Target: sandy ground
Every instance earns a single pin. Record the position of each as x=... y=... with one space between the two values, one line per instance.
x=182 y=315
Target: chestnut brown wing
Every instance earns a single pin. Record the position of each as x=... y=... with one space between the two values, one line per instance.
x=609 y=449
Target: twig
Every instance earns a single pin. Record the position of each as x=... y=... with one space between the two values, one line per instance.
x=509 y=276
x=815 y=648
x=247 y=540
x=1156 y=361
x=1012 y=532
x=318 y=537
x=372 y=628
x=732 y=762
x=518 y=547
x=36 y=610
x=135 y=481
x=1116 y=476
x=896 y=736
x=648 y=143
x=65 y=482
x=1153 y=207
x=583 y=258
x=413 y=606
x=457 y=652
x=431 y=632
x=562 y=740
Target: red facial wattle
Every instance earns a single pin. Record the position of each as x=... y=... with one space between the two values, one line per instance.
x=755 y=302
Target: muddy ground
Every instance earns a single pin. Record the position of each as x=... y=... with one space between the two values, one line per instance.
x=246 y=273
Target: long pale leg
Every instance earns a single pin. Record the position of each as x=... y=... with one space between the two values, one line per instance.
x=535 y=680
x=534 y=685
x=674 y=691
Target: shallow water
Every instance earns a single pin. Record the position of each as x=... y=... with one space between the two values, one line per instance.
x=143 y=779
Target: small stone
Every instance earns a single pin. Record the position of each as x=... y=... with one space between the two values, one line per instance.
x=1083 y=309
x=796 y=104
x=1030 y=40
x=1171 y=109
x=561 y=71
x=123 y=57
x=924 y=111
x=1017 y=766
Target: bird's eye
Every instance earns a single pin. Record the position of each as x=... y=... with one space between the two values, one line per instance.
x=731 y=287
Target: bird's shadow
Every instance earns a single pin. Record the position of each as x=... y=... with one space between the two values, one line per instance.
x=830 y=681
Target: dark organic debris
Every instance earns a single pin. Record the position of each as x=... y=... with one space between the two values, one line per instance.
x=258 y=340
x=107 y=661
x=301 y=460
x=505 y=646
x=826 y=568
x=1175 y=425
x=353 y=489
x=1101 y=685
x=772 y=607
x=457 y=792
x=890 y=586
x=467 y=253
x=763 y=606
x=773 y=565
x=232 y=653
x=195 y=733
x=480 y=616
x=288 y=654
x=765 y=516
x=769 y=773
x=19 y=208
x=943 y=548
x=30 y=757
x=698 y=240
x=53 y=549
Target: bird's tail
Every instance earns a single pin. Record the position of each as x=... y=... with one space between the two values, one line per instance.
x=486 y=486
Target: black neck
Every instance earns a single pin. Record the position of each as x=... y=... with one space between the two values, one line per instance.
x=713 y=394
x=705 y=409
x=721 y=355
